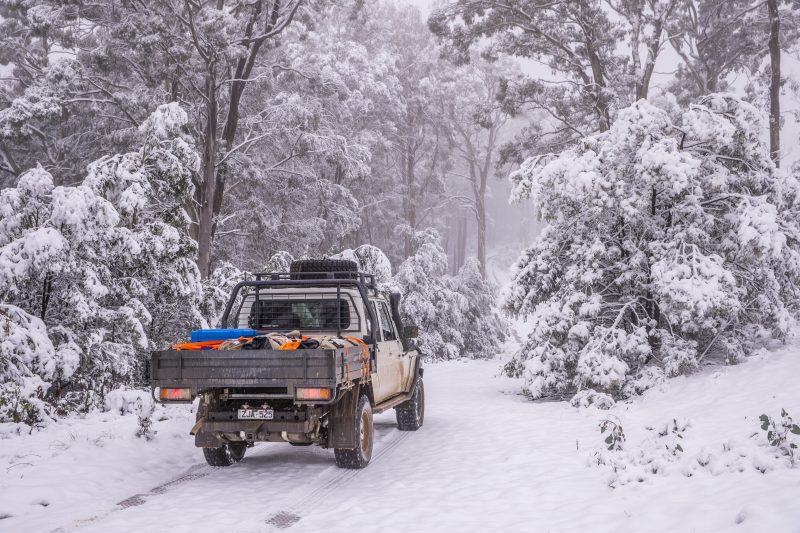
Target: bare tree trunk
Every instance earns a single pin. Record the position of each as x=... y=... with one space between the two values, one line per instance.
x=409 y=207
x=775 y=82
x=46 y=291
x=481 y=205
x=205 y=233
x=480 y=198
x=461 y=244
x=643 y=85
x=598 y=71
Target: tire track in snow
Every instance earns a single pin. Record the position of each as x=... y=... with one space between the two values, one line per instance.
x=195 y=472
x=302 y=500
x=291 y=513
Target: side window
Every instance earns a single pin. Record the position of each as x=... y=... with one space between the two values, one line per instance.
x=387 y=329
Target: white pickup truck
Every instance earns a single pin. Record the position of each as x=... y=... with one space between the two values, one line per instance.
x=326 y=349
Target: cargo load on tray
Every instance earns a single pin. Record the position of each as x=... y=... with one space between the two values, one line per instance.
x=203 y=335
x=250 y=339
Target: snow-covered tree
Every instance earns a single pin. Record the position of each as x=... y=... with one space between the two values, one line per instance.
x=594 y=48
x=457 y=315
x=370 y=259
x=714 y=39
x=56 y=109
x=279 y=262
x=106 y=266
x=412 y=152
x=667 y=241
x=477 y=120
x=28 y=362
x=429 y=300
x=483 y=328
x=150 y=189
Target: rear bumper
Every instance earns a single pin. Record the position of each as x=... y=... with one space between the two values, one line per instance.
x=258 y=426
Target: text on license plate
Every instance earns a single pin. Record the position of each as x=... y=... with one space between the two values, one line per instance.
x=255 y=414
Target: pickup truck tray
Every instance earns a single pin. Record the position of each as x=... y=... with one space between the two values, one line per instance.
x=274 y=369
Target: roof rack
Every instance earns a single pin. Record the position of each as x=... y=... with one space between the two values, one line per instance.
x=368 y=280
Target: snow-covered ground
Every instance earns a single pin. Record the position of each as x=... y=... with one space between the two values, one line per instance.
x=486 y=460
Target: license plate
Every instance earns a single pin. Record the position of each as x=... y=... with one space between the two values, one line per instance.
x=255 y=414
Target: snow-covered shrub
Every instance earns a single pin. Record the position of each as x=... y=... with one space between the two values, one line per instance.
x=125 y=400
x=645 y=378
x=613 y=433
x=106 y=266
x=370 y=259
x=666 y=242
x=660 y=453
x=28 y=364
x=483 y=328
x=782 y=435
x=457 y=315
x=279 y=262
x=429 y=300
x=133 y=401
x=592 y=398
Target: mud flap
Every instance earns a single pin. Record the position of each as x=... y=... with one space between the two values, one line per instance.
x=342 y=428
x=204 y=439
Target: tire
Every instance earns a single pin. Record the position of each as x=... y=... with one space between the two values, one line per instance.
x=361 y=455
x=301 y=269
x=411 y=414
x=225 y=455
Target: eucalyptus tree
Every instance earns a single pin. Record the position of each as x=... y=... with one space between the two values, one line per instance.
x=477 y=120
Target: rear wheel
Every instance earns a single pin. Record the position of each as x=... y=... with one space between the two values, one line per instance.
x=360 y=456
x=225 y=455
x=411 y=414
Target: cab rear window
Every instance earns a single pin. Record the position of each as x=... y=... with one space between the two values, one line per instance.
x=283 y=313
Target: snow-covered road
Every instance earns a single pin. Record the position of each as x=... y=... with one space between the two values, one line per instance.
x=486 y=460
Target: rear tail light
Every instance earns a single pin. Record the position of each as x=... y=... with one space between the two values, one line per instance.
x=304 y=393
x=175 y=395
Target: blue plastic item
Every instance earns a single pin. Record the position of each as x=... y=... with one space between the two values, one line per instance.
x=200 y=335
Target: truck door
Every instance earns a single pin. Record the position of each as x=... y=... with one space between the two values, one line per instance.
x=406 y=359
x=394 y=382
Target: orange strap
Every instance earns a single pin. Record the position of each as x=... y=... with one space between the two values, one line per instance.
x=202 y=345
x=289 y=345
x=364 y=354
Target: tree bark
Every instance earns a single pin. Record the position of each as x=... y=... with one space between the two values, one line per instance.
x=461 y=245
x=643 y=85
x=46 y=291
x=481 y=205
x=207 y=193
x=480 y=195
x=775 y=82
x=409 y=200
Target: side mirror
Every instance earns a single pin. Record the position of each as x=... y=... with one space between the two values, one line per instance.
x=410 y=332
x=368 y=339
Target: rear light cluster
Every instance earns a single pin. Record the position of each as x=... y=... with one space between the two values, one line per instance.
x=175 y=395
x=305 y=393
